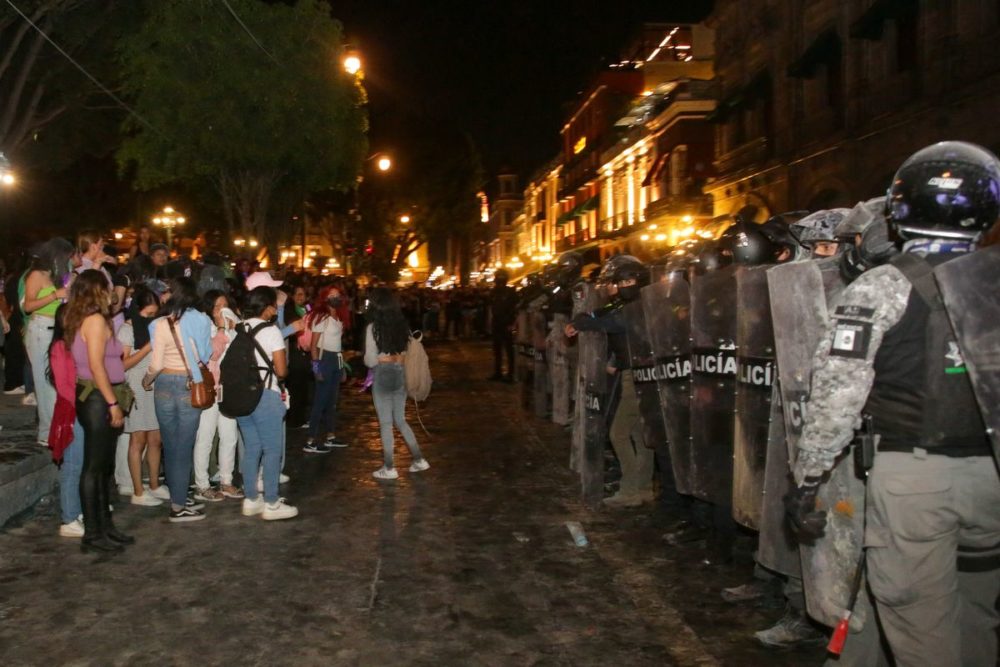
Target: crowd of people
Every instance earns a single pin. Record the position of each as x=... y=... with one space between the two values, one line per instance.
x=134 y=369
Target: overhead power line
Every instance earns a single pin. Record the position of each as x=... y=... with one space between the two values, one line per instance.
x=83 y=70
x=247 y=31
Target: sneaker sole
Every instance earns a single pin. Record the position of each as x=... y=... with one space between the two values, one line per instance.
x=313 y=450
x=70 y=535
x=202 y=499
x=156 y=504
x=265 y=517
x=336 y=446
x=251 y=512
x=186 y=519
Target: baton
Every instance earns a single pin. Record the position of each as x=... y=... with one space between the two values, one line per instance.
x=836 y=645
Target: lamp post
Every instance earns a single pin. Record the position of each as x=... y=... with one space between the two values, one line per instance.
x=7 y=177
x=169 y=218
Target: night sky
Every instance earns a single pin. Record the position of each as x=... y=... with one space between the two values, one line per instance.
x=505 y=72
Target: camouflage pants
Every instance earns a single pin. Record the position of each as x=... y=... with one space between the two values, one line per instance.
x=626 y=437
x=927 y=513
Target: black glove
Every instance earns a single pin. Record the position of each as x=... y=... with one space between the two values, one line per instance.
x=807 y=522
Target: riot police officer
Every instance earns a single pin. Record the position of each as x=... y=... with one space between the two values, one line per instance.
x=933 y=511
x=503 y=311
x=625 y=276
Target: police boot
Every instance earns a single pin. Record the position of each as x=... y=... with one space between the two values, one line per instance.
x=622 y=500
x=108 y=524
x=684 y=531
x=793 y=629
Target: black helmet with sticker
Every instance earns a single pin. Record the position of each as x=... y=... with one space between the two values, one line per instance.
x=948 y=190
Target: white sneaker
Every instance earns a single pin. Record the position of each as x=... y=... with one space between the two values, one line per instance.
x=386 y=473
x=72 y=529
x=283 y=478
x=17 y=391
x=161 y=492
x=126 y=490
x=29 y=399
x=253 y=507
x=278 y=511
x=146 y=500
x=420 y=466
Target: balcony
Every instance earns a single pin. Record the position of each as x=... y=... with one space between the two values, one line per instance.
x=676 y=206
x=751 y=152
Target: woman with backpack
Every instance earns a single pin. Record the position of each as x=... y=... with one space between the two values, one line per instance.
x=386 y=339
x=181 y=341
x=263 y=428
x=327 y=321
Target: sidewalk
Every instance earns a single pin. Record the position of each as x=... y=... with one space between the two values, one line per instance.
x=26 y=470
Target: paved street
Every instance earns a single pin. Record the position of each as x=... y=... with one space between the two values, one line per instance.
x=466 y=564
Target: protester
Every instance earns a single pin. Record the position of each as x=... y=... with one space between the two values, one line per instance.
x=299 y=369
x=216 y=305
x=142 y=243
x=101 y=403
x=140 y=424
x=45 y=285
x=327 y=324
x=386 y=339
x=180 y=339
x=263 y=429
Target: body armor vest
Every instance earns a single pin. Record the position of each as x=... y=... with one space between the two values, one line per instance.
x=922 y=395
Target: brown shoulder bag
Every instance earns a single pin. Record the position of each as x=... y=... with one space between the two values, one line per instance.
x=202 y=393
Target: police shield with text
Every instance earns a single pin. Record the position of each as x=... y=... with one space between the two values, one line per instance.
x=933 y=516
x=560 y=353
x=592 y=390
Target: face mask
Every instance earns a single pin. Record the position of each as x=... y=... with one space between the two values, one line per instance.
x=336 y=301
x=629 y=292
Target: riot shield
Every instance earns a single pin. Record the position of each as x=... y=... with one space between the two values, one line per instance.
x=801 y=293
x=713 y=384
x=667 y=306
x=525 y=357
x=557 y=350
x=968 y=287
x=754 y=428
x=539 y=333
x=592 y=400
x=645 y=375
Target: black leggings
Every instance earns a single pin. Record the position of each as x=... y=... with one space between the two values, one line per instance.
x=99 y=440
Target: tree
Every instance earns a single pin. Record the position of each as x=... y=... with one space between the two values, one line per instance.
x=265 y=114
x=43 y=95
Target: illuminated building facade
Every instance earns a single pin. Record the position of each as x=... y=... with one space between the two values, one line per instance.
x=820 y=102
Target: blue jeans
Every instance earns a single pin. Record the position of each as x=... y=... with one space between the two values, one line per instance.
x=389 y=395
x=324 y=405
x=69 y=477
x=37 y=342
x=263 y=440
x=178 y=428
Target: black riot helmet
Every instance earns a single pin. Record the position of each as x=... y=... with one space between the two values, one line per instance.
x=606 y=276
x=778 y=231
x=569 y=268
x=630 y=270
x=948 y=190
x=710 y=258
x=747 y=244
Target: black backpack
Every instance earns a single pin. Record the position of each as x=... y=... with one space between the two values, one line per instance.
x=242 y=385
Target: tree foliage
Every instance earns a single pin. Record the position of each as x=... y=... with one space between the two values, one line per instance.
x=44 y=99
x=264 y=123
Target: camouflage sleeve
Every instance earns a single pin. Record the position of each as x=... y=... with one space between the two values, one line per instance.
x=843 y=366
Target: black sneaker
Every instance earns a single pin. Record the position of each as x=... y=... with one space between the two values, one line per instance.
x=316 y=448
x=193 y=504
x=186 y=514
x=334 y=441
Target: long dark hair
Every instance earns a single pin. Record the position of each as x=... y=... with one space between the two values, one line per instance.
x=54 y=256
x=183 y=297
x=141 y=298
x=389 y=326
x=58 y=338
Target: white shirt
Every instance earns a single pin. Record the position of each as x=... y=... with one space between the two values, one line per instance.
x=330 y=330
x=270 y=341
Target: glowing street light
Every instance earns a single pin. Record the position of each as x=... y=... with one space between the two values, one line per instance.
x=384 y=163
x=169 y=218
x=405 y=219
x=7 y=177
x=352 y=64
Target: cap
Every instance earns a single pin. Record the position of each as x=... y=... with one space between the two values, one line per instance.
x=261 y=279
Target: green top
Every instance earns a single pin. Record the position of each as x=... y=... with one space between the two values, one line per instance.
x=48 y=310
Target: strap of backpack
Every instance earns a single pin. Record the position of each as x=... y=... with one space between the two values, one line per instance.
x=271 y=373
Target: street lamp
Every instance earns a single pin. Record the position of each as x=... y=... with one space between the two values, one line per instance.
x=352 y=64
x=405 y=219
x=169 y=218
x=6 y=175
x=384 y=163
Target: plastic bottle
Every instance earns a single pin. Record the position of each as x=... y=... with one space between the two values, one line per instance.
x=576 y=530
